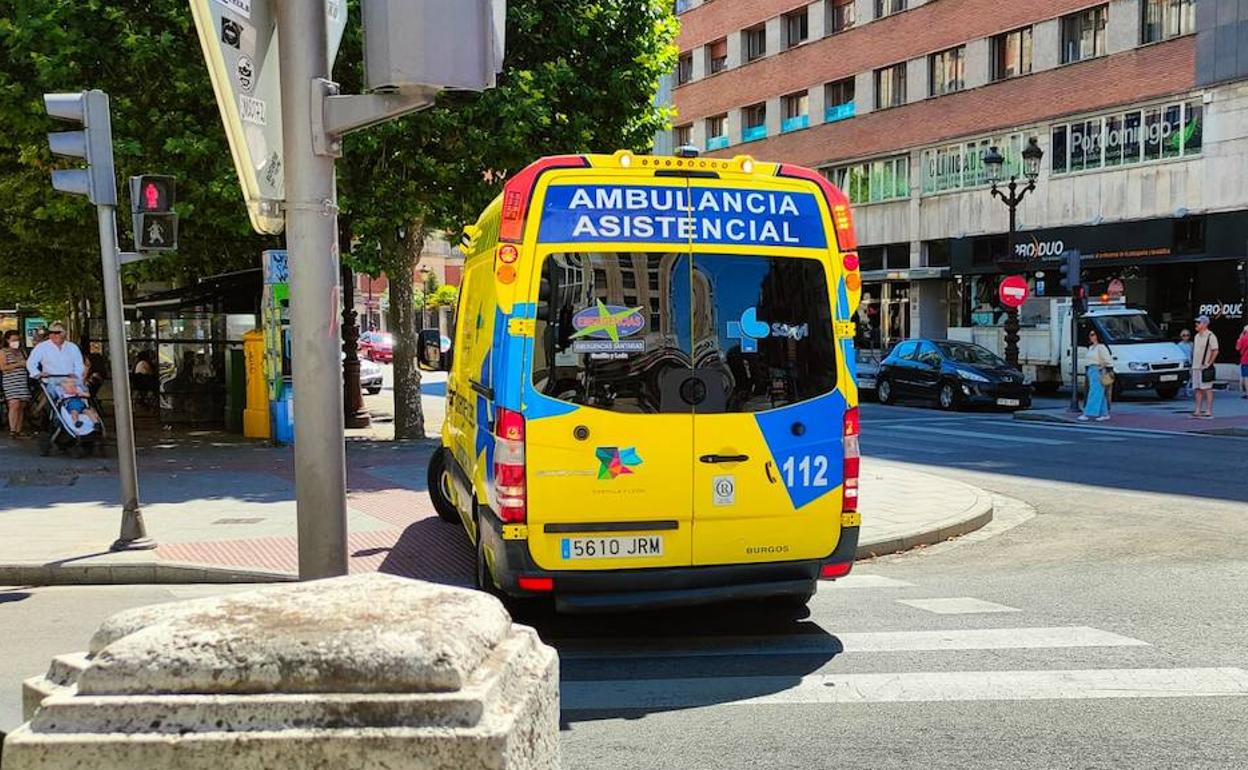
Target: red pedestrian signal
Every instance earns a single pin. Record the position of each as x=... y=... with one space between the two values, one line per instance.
x=151 y=197
x=152 y=194
x=151 y=204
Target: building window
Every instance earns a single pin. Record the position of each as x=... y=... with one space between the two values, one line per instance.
x=1164 y=19
x=795 y=109
x=887 y=7
x=947 y=71
x=840 y=15
x=717 y=56
x=716 y=132
x=873 y=181
x=890 y=86
x=1125 y=138
x=961 y=166
x=684 y=68
x=838 y=100
x=1083 y=34
x=754 y=41
x=682 y=135
x=1011 y=54
x=754 y=122
x=795 y=27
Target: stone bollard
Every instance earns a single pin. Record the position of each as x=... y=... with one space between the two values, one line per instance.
x=367 y=671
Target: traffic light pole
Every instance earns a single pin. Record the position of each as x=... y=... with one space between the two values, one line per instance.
x=133 y=532
x=312 y=243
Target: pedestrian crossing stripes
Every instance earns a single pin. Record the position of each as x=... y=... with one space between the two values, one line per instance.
x=946 y=665
x=862 y=642
x=909 y=687
x=977 y=435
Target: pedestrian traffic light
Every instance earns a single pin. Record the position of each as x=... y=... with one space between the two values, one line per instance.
x=151 y=204
x=1072 y=264
x=1079 y=296
x=94 y=143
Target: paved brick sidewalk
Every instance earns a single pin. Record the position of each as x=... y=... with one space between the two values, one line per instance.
x=223 y=511
x=1230 y=415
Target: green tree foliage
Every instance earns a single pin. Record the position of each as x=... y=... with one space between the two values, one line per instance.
x=146 y=56
x=579 y=76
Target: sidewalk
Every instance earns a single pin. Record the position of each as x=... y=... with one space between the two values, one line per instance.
x=222 y=510
x=1230 y=415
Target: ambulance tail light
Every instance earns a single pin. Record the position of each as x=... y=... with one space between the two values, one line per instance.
x=835 y=570
x=853 y=459
x=510 y=490
x=518 y=192
x=838 y=203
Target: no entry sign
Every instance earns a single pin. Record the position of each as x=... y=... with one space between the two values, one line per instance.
x=1013 y=291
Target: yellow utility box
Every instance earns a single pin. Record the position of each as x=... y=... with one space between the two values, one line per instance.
x=256 y=414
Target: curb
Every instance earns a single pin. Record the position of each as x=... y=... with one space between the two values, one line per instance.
x=53 y=574
x=978 y=514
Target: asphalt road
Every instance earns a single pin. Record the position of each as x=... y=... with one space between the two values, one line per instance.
x=1098 y=622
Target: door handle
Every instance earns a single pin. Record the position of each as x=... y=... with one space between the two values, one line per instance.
x=724 y=458
x=767 y=469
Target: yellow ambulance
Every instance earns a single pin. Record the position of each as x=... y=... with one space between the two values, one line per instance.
x=651 y=396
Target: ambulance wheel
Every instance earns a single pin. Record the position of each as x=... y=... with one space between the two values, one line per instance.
x=439 y=483
x=884 y=391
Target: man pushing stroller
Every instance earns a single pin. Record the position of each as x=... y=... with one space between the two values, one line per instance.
x=58 y=365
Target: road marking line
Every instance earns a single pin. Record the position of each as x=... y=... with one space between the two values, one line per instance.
x=1092 y=434
x=868 y=440
x=979 y=435
x=866 y=641
x=961 y=605
x=907 y=687
x=863 y=580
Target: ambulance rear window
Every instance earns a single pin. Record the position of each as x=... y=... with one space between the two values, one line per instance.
x=613 y=330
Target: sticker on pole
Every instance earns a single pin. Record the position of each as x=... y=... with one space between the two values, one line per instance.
x=1013 y=291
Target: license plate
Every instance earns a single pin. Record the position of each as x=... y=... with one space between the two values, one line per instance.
x=611 y=547
x=1008 y=402
x=1169 y=377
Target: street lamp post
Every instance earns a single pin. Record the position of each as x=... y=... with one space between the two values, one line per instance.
x=995 y=162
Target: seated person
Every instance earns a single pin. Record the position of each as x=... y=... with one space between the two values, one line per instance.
x=74 y=402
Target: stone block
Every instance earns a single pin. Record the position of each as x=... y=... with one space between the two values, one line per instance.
x=367 y=671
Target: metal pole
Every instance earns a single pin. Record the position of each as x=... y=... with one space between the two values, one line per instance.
x=1074 y=353
x=133 y=534
x=1011 y=316
x=312 y=242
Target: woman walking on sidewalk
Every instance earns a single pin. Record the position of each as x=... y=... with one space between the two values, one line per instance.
x=1096 y=407
x=15 y=384
x=1241 y=345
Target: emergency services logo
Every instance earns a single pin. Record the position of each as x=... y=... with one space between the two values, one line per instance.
x=608 y=322
x=615 y=462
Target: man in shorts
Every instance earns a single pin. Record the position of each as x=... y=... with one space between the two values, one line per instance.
x=1204 y=353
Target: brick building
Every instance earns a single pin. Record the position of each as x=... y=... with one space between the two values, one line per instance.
x=1140 y=107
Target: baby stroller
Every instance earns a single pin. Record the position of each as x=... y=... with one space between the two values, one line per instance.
x=81 y=436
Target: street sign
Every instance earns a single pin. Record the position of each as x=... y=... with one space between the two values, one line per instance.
x=239 y=41
x=1013 y=291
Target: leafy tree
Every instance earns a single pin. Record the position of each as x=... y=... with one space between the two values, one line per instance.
x=579 y=76
x=145 y=55
x=443 y=296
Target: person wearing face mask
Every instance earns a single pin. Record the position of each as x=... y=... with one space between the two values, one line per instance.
x=16 y=386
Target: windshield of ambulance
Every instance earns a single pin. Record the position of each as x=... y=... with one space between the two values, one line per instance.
x=665 y=331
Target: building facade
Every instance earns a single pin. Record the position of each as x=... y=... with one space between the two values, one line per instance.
x=1140 y=107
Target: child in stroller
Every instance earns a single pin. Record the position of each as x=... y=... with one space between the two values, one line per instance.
x=74 y=421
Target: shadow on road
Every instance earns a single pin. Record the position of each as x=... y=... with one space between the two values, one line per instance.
x=625 y=666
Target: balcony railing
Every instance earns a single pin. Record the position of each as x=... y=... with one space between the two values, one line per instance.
x=795 y=123
x=838 y=112
x=753 y=133
x=716 y=143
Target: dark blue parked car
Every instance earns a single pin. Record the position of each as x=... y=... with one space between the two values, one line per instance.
x=953 y=374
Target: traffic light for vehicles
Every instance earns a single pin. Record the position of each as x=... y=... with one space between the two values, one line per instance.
x=94 y=143
x=151 y=204
x=1072 y=264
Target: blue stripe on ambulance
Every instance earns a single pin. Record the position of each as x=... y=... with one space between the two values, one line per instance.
x=822 y=419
